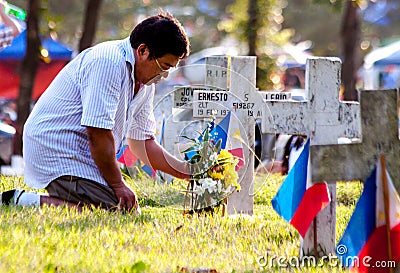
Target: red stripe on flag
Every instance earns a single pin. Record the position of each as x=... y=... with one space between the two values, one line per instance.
x=238 y=152
x=314 y=200
x=128 y=158
x=374 y=257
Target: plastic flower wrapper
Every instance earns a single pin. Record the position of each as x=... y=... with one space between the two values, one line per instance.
x=213 y=173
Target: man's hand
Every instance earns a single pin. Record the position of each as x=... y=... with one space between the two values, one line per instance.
x=127 y=198
x=153 y=154
x=101 y=144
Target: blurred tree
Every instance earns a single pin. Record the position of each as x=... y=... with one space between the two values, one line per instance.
x=257 y=25
x=350 y=40
x=29 y=67
x=252 y=27
x=362 y=26
x=90 y=24
x=350 y=33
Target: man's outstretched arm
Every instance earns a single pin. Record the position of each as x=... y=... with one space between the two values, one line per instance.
x=153 y=154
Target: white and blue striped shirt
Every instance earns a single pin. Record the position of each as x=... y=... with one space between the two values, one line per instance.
x=95 y=89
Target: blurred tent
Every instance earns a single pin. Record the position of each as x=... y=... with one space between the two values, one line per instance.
x=381 y=67
x=11 y=59
x=293 y=55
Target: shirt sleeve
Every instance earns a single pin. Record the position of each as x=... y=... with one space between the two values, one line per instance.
x=101 y=87
x=142 y=125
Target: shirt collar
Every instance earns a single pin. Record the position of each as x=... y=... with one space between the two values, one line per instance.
x=129 y=56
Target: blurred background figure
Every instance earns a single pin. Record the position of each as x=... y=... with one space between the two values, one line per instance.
x=9 y=28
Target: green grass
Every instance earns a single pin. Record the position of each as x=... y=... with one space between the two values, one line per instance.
x=53 y=239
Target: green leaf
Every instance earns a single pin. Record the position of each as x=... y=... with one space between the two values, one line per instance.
x=218 y=145
x=138 y=267
x=189 y=138
x=190 y=149
x=195 y=158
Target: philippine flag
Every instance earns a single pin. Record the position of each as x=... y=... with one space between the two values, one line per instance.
x=364 y=246
x=298 y=201
x=126 y=157
x=228 y=131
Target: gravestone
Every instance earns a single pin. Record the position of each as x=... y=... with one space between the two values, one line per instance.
x=331 y=163
x=379 y=116
x=238 y=84
x=229 y=88
x=321 y=116
x=324 y=119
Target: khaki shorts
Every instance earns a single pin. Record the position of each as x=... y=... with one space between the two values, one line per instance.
x=82 y=191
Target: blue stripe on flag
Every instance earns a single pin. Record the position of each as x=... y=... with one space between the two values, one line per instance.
x=292 y=190
x=362 y=223
x=216 y=132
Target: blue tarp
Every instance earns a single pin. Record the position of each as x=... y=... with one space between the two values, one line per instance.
x=17 y=49
x=392 y=59
x=386 y=55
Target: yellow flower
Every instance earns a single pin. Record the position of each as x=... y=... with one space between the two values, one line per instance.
x=216 y=175
x=231 y=176
x=224 y=154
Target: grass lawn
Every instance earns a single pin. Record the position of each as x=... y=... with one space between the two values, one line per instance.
x=53 y=239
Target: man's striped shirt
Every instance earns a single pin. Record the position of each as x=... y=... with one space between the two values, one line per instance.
x=95 y=89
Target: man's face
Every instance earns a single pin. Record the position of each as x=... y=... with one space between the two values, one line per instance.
x=151 y=70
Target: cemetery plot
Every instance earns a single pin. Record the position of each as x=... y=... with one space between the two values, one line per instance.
x=216 y=100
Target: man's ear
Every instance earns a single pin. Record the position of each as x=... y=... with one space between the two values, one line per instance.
x=143 y=50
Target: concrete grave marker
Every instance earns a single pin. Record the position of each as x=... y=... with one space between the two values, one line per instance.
x=216 y=100
x=240 y=79
x=321 y=116
x=379 y=116
x=324 y=119
x=331 y=163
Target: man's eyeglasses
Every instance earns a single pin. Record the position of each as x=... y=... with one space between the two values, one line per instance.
x=161 y=69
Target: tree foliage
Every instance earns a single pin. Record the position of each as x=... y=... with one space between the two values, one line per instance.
x=266 y=25
x=209 y=23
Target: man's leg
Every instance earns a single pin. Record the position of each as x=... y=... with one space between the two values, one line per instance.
x=81 y=191
x=23 y=198
x=53 y=201
x=66 y=190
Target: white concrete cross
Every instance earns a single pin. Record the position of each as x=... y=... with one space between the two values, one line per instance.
x=239 y=78
x=228 y=89
x=324 y=119
x=331 y=163
x=380 y=134
x=321 y=116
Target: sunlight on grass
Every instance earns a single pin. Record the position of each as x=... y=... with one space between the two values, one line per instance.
x=53 y=239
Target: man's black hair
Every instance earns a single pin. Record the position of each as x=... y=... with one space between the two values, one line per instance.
x=162 y=34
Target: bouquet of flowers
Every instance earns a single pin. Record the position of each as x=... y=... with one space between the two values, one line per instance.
x=213 y=174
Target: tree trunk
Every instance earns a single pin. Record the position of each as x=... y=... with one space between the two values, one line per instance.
x=29 y=67
x=350 y=34
x=252 y=27
x=90 y=24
